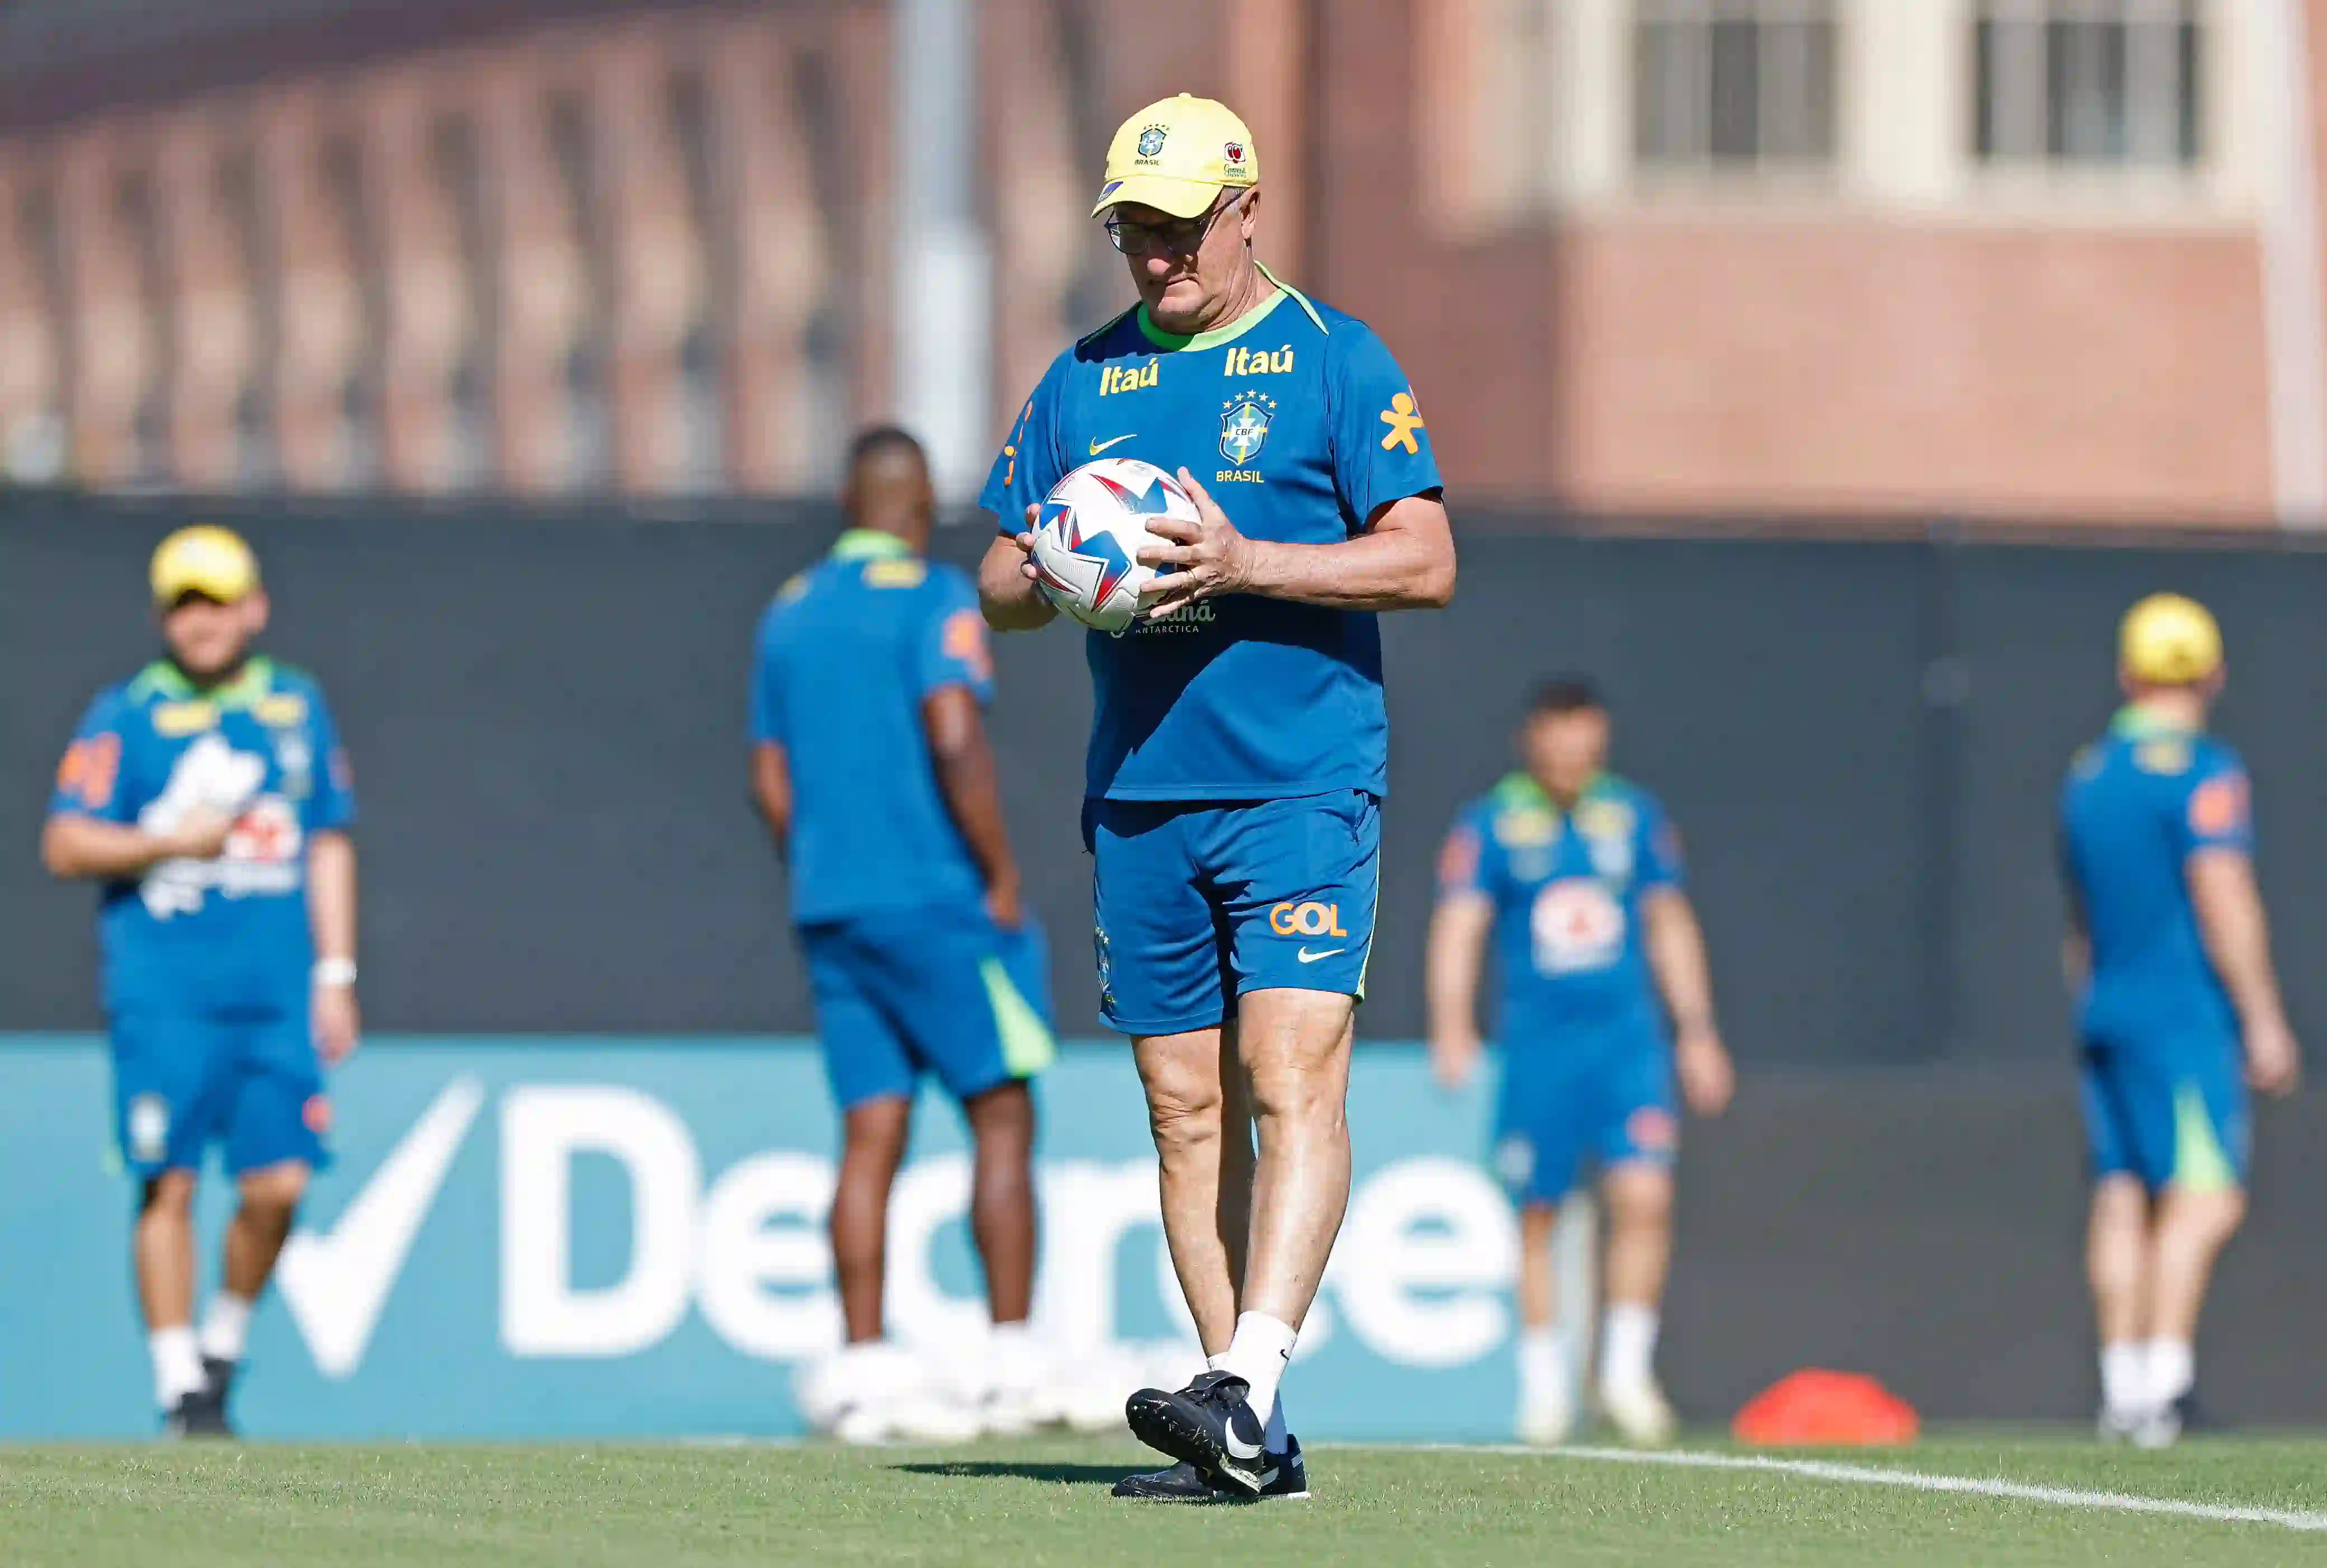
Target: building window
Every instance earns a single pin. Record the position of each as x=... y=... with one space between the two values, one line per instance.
x=2089 y=81
x=1724 y=83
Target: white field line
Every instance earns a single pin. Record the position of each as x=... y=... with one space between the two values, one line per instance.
x=1916 y=1480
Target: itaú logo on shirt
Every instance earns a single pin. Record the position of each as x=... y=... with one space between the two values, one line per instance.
x=1309 y=920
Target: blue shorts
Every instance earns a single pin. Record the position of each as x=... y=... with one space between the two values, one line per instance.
x=1198 y=903
x=941 y=990
x=2169 y=1119
x=183 y=1082
x=1569 y=1101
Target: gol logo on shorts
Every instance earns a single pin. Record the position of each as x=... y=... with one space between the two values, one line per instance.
x=1312 y=919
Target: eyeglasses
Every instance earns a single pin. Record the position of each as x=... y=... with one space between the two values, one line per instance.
x=1180 y=237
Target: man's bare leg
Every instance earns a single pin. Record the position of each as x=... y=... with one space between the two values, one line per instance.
x=2186 y=1234
x=1295 y=1048
x=1639 y=1197
x=2117 y=1259
x=254 y=1241
x=873 y=1144
x=1199 y=1112
x=1546 y=1394
x=163 y=1246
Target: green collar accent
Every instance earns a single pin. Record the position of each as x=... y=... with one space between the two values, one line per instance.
x=1518 y=789
x=1307 y=308
x=1173 y=342
x=869 y=545
x=2136 y=722
x=162 y=679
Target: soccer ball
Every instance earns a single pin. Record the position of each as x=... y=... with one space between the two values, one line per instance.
x=1092 y=527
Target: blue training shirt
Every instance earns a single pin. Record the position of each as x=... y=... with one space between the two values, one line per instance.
x=2138 y=803
x=1566 y=887
x=846 y=654
x=1300 y=425
x=228 y=936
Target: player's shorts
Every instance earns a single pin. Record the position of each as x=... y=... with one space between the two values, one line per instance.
x=1198 y=902
x=250 y=1082
x=941 y=990
x=2177 y=1119
x=1597 y=1100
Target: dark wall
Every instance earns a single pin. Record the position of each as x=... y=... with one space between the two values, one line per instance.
x=1861 y=740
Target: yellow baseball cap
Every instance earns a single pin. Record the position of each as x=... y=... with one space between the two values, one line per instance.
x=2169 y=640
x=204 y=559
x=1175 y=155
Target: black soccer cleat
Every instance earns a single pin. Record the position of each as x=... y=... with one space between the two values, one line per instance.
x=203 y=1413
x=1207 y=1424
x=1184 y=1483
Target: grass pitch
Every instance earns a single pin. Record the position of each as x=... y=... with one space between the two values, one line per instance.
x=1024 y=1505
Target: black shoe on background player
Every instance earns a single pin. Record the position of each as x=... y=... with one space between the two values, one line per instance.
x=203 y=1413
x=1184 y=1483
x=1207 y=1424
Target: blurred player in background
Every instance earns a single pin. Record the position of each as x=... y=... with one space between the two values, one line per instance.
x=1240 y=746
x=1576 y=874
x=209 y=797
x=2169 y=951
x=870 y=764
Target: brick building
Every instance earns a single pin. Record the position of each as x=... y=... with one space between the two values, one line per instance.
x=2046 y=259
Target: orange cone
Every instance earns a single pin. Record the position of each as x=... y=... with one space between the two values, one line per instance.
x=1814 y=1408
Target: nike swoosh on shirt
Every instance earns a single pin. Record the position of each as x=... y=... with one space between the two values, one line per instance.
x=1099 y=446
x=336 y=1282
x=1306 y=956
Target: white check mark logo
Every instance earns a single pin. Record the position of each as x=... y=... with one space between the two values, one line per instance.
x=1306 y=956
x=336 y=1282
x=1099 y=446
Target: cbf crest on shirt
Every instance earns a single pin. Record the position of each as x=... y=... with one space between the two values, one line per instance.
x=228 y=933
x=1566 y=887
x=1302 y=426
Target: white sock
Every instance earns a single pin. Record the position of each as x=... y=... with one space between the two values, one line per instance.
x=1257 y=1354
x=2125 y=1376
x=177 y=1365
x=1543 y=1368
x=226 y=1327
x=1628 y=1346
x=2172 y=1367
x=1013 y=1359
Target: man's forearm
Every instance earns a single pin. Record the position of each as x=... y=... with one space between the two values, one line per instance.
x=331 y=895
x=2237 y=934
x=89 y=848
x=1008 y=599
x=972 y=788
x=1677 y=957
x=1452 y=955
x=1384 y=570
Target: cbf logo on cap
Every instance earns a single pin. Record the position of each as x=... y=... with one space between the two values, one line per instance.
x=2169 y=640
x=1177 y=155
x=205 y=559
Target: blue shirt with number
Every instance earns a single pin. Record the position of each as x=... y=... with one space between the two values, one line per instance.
x=1566 y=888
x=226 y=936
x=2137 y=804
x=846 y=655
x=1300 y=425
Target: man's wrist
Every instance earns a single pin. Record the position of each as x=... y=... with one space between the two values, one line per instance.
x=334 y=972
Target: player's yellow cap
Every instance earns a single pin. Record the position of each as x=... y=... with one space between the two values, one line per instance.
x=204 y=559
x=2169 y=640
x=1175 y=155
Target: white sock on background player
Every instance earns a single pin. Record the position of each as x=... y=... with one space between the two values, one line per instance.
x=226 y=1327
x=177 y=1365
x=1258 y=1354
x=2125 y=1378
x=1628 y=1347
x=1277 y=1437
x=1543 y=1369
x=2172 y=1371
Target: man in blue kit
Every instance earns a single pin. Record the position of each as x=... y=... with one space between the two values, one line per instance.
x=1576 y=876
x=209 y=796
x=2179 y=1007
x=1239 y=747
x=870 y=762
